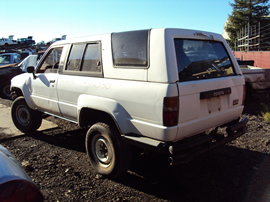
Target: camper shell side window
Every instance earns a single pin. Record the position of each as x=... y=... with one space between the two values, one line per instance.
x=130 y=49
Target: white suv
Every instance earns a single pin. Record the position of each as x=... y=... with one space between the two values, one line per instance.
x=168 y=90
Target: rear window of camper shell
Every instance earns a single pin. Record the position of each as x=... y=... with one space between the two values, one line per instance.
x=201 y=59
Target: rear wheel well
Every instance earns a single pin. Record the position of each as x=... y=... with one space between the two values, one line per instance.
x=90 y=116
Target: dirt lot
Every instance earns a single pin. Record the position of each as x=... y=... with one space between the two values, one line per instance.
x=240 y=171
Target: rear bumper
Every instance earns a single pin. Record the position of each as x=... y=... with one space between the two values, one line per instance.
x=186 y=150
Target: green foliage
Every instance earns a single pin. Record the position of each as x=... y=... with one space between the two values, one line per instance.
x=266 y=116
x=266 y=113
x=230 y=42
x=244 y=12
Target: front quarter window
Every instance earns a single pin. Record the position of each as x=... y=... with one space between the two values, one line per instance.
x=198 y=60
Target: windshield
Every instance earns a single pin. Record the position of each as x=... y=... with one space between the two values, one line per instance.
x=202 y=60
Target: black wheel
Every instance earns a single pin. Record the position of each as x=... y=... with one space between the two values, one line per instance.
x=108 y=153
x=24 y=118
x=249 y=91
x=5 y=90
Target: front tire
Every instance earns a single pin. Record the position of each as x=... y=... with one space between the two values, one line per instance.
x=24 y=118
x=108 y=153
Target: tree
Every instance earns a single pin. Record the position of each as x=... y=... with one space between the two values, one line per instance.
x=245 y=12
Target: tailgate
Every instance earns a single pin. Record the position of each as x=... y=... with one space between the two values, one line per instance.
x=210 y=90
x=209 y=103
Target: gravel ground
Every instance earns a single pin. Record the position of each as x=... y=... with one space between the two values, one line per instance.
x=239 y=171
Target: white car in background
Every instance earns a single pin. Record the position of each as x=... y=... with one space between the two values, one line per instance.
x=30 y=60
x=5 y=42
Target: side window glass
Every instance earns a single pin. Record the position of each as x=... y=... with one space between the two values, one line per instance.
x=51 y=62
x=4 y=59
x=130 y=48
x=7 y=59
x=92 y=58
x=16 y=58
x=75 y=57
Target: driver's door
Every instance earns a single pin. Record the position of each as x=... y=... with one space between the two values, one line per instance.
x=44 y=93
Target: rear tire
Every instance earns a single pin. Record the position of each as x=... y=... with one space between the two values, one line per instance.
x=24 y=118
x=249 y=92
x=108 y=153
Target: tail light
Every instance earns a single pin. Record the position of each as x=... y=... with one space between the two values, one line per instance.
x=20 y=190
x=170 y=111
x=244 y=94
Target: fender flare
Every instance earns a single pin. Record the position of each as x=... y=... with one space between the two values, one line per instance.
x=109 y=106
x=16 y=83
x=248 y=79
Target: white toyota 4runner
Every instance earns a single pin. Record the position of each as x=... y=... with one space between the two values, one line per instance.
x=168 y=90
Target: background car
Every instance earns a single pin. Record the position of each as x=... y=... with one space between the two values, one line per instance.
x=9 y=58
x=52 y=41
x=42 y=43
x=26 y=41
x=8 y=70
x=15 y=184
x=30 y=60
x=5 y=42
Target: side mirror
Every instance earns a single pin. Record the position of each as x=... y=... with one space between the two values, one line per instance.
x=31 y=69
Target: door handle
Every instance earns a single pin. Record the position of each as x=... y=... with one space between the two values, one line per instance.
x=52 y=81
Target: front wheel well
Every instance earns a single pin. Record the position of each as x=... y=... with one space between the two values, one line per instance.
x=16 y=92
x=90 y=116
